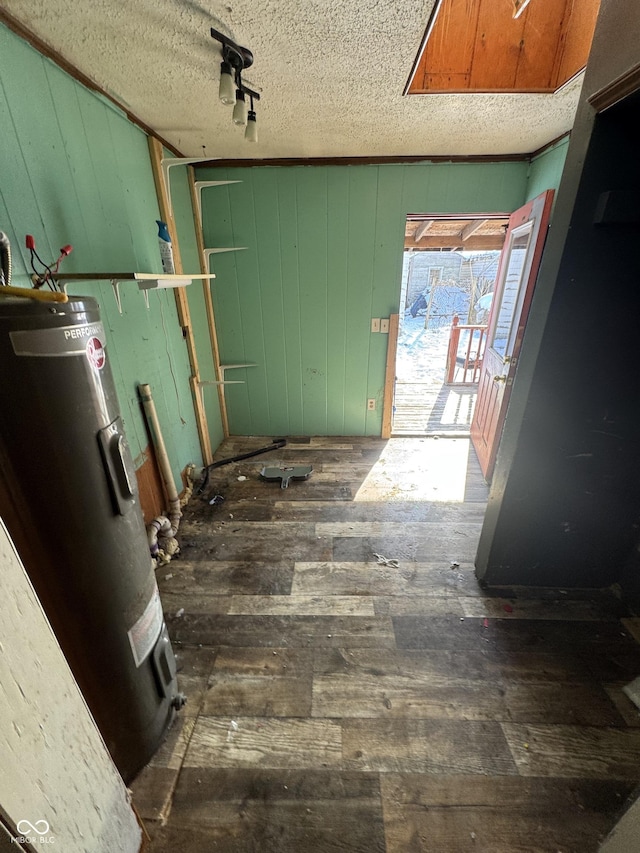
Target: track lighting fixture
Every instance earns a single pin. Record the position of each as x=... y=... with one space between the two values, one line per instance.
x=232 y=91
x=251 y=131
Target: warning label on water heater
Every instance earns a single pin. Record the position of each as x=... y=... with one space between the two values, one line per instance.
x=147 y=629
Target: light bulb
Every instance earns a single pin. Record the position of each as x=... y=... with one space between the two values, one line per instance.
x=240 y=109
x=251 y=133
x=227 y=90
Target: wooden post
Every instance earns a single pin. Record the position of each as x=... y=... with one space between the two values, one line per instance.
x=390 y=377
x=452 y=352
x=182 y=303
x=208 y=302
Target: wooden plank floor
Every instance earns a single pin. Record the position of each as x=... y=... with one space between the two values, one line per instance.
x=422 y=408
x=338 y=704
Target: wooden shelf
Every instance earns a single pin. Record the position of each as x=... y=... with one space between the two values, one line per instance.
x=146 y=281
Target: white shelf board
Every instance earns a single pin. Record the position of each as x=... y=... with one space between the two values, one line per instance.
x=146 y=281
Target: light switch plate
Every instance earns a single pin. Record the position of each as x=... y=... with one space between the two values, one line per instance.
x=375 y=324
x=384 y=325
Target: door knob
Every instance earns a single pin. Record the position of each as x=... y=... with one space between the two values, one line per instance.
x=500 y=378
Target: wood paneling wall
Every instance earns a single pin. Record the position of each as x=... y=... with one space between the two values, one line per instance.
x=151 y=493
x=324 y=257
x=546 y=169
x=75 y=170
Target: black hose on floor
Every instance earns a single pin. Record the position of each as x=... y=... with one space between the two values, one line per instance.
x=276 y=443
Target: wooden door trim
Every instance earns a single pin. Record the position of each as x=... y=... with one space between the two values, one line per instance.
x=390 y=376
x=625 y=84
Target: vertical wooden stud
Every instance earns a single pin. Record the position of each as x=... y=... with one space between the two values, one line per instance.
x=208 y=302
x=182 y=303
x=390 y=376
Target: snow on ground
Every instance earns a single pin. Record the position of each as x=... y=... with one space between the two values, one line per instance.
x=422 y=353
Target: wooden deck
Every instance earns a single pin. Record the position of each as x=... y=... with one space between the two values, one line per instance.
x=422 y=408
x=342 y=703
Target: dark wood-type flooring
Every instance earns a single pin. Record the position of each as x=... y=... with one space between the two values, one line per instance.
x=338 y=704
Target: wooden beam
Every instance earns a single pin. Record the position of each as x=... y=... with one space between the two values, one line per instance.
x=182 y=303
x=473 y=244
x=471 y=228
x=208 y=302
x=422 y=229
x=390 y=376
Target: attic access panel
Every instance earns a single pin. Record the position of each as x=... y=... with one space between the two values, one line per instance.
x=479 y=46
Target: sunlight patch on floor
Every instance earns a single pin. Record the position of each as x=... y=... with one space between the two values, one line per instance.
x=418 y=469
x=459 y=408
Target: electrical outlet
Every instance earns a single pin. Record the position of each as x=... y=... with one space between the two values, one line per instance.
x=384 y=325
x=375 y=324
x=371 y=404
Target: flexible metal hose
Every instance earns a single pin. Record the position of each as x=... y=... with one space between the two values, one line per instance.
x=5 y=259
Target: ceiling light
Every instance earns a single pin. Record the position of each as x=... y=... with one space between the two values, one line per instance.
x=251 y=133
x=227 y=91
x=233 y=92
x=240 y=109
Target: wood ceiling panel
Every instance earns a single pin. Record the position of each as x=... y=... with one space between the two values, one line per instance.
x=478 y=46
x=537 y=65
x=451 y=46
x=580 y=22
x=498 y=45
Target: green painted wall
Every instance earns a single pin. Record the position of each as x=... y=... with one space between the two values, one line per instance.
x=545 y=170
x=324 y=256
x=75 y=170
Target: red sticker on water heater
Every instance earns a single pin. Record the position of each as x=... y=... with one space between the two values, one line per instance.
x=95 y=353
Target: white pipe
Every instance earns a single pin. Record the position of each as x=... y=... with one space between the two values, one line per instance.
x=174 y=513
x=159 y=528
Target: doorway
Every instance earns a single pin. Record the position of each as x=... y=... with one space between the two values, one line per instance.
x=449 y=269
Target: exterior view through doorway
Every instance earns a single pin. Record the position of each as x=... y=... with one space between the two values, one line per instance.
x=449 y=270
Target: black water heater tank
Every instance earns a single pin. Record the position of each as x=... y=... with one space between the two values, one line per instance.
x=69 y=498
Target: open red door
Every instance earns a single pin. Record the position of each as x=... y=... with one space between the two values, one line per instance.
x=515 y=281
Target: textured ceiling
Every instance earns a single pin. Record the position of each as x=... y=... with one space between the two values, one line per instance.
x=331 y=74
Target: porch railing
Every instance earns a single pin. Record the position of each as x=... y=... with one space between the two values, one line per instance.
x=465 y=352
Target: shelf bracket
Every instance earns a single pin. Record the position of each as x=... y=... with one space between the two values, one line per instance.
x=207 y=383
x=208 y=252
x=115 y=284
x=167 y=162
x=225 y=367
x=146 y=281
x=200 y=185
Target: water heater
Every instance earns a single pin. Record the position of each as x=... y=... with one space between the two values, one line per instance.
x=69 y=498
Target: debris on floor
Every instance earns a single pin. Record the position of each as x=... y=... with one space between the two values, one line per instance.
x=384 y=561
x=632 y=690
x=286 y=474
